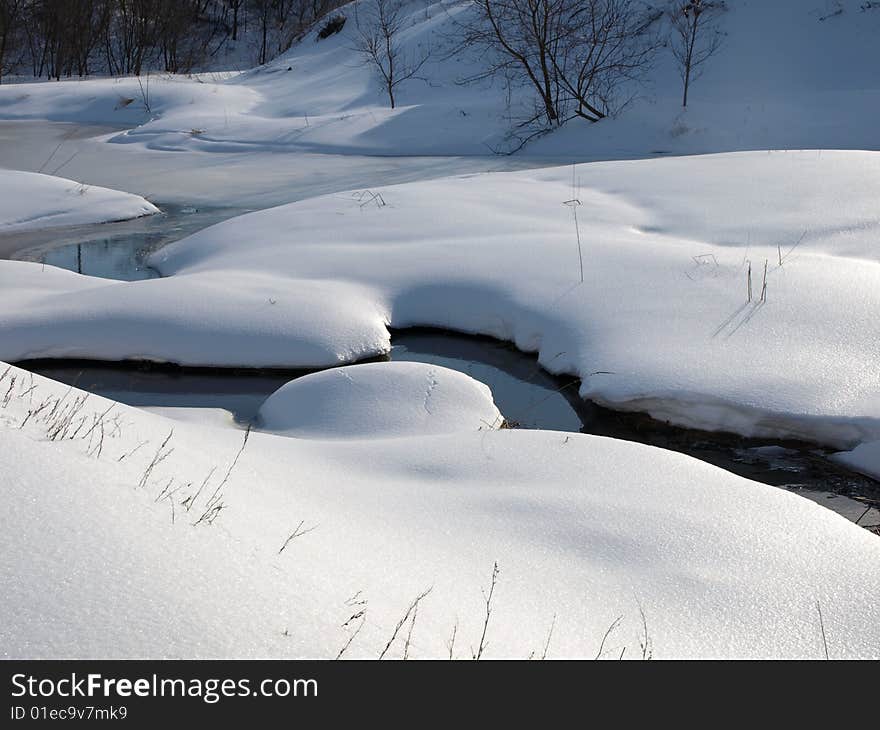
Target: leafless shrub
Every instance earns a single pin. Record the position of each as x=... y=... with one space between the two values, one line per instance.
x=749 y=282
x=822 y=629
x=608 y=632
x=412 y=625
x=450 y=644
x=144 y=88
x=645 y=639
x=549 y=636
x=162 y=453
x=189 y=501
x=764 y=284
x=378 y=26
x=410 y=611
x=62 y=423
x=97 y=436
x=8 y=395
x=34 y=412
x=298 y=532
x=577 y=56
x=214 y=506
x=487 y=597
x=133 y=451
x=238 y=454
x=696 y=37
x=97 y=420
x=368 y=197
x=359 y=615
x=574 y=203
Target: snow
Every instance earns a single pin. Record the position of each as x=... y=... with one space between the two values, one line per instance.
x=362 y=486
x=584 y=528
x=663 y=311
x=380 y=400
x=216 y=417
x=778 y=81
x=864 y=458
x=30 y=200
x=661 y=323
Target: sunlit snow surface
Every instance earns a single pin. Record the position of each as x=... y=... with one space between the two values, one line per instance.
x=102 y=555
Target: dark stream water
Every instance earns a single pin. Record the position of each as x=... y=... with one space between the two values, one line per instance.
x=528 y=396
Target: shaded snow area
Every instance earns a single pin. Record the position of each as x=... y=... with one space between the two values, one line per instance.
x=789 y=74
x=380 y=400
x=583 y=528
x=31 y=200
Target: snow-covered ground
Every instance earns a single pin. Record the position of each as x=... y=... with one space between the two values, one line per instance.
x=661 y=323
x=100 y=556
x=30 y=200
x=364 y=486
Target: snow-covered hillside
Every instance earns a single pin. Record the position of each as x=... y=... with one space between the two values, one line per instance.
x=789 y=74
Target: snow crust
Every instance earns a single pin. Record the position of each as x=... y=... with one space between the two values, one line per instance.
x=380 y=400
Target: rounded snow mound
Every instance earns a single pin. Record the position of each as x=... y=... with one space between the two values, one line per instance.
x=380 y=400
x=30 y=200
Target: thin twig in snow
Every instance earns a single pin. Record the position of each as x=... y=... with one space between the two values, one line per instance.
x=611 y=628
x=298 y=532
x=488 y=598
x=822 y=627
x=412 y=607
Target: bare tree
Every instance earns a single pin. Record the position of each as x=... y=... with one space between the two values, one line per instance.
x=524 y=34
x=10 y=20
x=378 y=25
x=696 y=37
x=603 y=45
x=235 y=8
x=65 y=37
x=576 y=55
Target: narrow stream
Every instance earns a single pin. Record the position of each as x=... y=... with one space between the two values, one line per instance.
x=528 y=396
x=112 y=250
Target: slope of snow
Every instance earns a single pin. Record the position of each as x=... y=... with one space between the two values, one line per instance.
x=99 y=555
x=661 y=323
x=30 y=200
x=380 y=400
x=783 y=78
x=790 y=74
x=125 y=101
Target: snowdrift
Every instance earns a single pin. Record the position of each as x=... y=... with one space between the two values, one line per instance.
x=380 y=400
x=31 y=200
